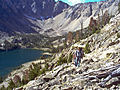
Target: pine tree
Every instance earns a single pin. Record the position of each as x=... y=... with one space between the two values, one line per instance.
x=70 y=37
x=1 y=80
x=119 y=7
x=81 y=32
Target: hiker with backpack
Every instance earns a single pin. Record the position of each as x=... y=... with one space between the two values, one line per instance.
x=78 y=55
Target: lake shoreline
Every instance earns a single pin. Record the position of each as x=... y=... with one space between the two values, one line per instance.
x=36 y=54
x=46 y=50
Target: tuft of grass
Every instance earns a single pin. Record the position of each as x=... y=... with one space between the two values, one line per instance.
x=118 y=35
x=36 y=70
x=1 y=79
x=62 y=60
x=87 y=48
x=11 y=85
x=97 y=31
x=70 y=58
x=2 y=88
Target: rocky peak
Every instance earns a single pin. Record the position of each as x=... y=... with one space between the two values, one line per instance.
x=59 y=6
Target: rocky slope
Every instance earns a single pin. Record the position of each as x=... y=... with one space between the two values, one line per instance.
x=71 y=18
x=95 y=66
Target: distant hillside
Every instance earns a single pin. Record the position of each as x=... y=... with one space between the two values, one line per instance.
x=71 y=18
x=14 y=14
x=49 y=17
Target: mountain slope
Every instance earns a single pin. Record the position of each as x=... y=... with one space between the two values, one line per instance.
x=71 y=18
x=11 y=21
x=94 y=68
x=50 y=17
x=14 y=14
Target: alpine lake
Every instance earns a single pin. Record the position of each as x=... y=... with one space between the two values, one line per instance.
x=10 y=60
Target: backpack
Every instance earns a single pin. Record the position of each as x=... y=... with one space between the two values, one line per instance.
x=79 y=54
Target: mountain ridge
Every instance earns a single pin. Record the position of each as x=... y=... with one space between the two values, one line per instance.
x=70 y=18
x=34 y=16
x=15 y=12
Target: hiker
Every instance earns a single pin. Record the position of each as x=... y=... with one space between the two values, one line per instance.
x=79 y=55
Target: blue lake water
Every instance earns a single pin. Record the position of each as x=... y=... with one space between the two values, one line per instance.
x=11 y=59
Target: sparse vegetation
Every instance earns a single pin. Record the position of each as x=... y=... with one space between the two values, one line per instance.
x=65 y=45
x=37 y=70
x=119 y=7
x=1 y=79
x=42 y=71
x=118 y=35
x=96 y=25
x=34 y=71
x=70 y=37
x=11 y=85
x=87 y=48
x=70 y=58
x=77 y=37
x=3 y=88
x=24 y=81
x=97 y=31
x=61 y=60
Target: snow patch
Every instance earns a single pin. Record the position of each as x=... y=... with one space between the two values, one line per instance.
x=33 y=6
x=30 y=17
x=43 y=4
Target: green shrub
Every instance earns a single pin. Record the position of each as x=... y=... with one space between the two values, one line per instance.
x=11 y=85
x=87 y=49
x=97 y=31
x=118 y=35
x=3 y=88
x=1 y=79
x=46 y=66
x=59 y=61
x=34 y=72
x=65 y=45
x=32 y=75
x=70 y=58
x=42 y=71
x=62 y=60
x=119 y=7
x=24 y=81
x=93 y=31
